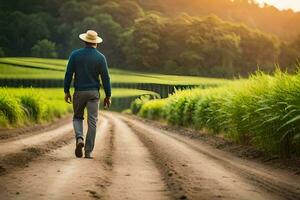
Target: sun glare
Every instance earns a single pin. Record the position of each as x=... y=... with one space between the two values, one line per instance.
x=282 y=4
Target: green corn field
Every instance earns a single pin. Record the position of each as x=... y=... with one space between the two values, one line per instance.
x=263 y=110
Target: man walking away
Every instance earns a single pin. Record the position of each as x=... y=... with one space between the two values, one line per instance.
x=87 y=64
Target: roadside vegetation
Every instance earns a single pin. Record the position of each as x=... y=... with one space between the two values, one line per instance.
x=20 y=107
x=263 y=111
x=24 y=106
x=38 y=105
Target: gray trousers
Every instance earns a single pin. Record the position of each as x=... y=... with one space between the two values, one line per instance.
x=89 y=100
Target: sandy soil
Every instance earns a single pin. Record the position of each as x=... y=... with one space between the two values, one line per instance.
x=133 y=160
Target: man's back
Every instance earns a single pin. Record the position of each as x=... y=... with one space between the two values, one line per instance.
x=87 y=64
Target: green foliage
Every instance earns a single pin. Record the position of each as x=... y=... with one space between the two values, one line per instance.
x=20 y=32
x=263 y=110
x=143 y=46
x=27 y=106
x=198 y=45
x=72 y=11
x=175 y=110
x=246 y=11
x=2 y=54
x=124 y=92
x=24 y=106
x=10 y=109
x=44 y=49
x=153 y=109
x=290 y=55
x=137 y=103
x=55 y=109
x=123 y=12
x=126 y=111
x=140 y=39
x=32 y=106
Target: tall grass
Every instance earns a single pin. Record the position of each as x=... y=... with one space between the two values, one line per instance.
x=263 y=110
x=19 y=107
x=153 y=109
x=23 y=106
x=11 y=111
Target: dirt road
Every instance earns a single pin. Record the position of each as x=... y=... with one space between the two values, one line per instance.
x=133 y=160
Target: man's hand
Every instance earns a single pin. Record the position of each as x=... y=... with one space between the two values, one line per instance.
x=106 y=102
x=68 y=98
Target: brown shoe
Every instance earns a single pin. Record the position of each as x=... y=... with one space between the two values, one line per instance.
x=79 y=146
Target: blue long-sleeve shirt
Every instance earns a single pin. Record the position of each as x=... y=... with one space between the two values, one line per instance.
x=87 y=64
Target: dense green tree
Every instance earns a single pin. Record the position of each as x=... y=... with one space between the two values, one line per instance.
x=44 y=49
x=28 y=6
x=289 y=58
x=15 y=33
x=296 y=44
x=22 y=31
x=144 y=45
x=123 y=12
x=146 y=35
x=73 y=11
x=284 y=23
x=37 y=28
x=63 y=40
x=110 y=31
x=2 y=54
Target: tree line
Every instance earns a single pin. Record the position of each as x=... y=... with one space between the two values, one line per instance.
x=139 y=38
x=284 y=23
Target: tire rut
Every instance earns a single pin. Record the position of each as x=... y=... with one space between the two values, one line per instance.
x=190 y=174
x=10 y=162
x=263 y=177
x=59 y=175
x=134 y=174
x=106 y=160
x=14 y=146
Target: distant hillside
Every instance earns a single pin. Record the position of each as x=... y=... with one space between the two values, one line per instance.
x=167 y=36
x=285 y=24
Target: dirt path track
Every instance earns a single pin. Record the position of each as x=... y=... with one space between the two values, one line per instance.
x=133 y=160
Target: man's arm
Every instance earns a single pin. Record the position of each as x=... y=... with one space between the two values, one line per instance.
x=69 y=74
x=105 y=78
x=68 y=79
x=106 y=83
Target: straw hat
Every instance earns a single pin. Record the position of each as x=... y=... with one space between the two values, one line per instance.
x=91 y=37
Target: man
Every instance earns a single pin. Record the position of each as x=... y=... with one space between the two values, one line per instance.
x=87 y=64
